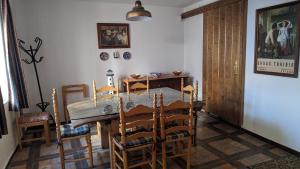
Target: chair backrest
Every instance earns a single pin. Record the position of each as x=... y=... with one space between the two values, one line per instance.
x=56 y=114
x=104 y=89
x=189 y=89
x=177 y=113
x=138 y=86
x=67 y=90
x=139 y=116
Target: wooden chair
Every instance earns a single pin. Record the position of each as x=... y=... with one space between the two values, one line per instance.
x=176 y=133
x=67 y=132
x=194 y=89
x=189 y=89
x=32 y=120
x=138 y=86
x=71 y=89
x=137 y=133
x=105 y=91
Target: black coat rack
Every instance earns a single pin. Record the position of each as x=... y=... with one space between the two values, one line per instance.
x=34 y=60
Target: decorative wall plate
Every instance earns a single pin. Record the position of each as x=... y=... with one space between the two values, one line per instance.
x=104 y=56
x=127 y=55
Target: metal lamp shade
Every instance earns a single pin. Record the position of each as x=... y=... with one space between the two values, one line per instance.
x=138 y=13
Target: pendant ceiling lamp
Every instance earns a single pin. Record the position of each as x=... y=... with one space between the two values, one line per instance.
x=138 y=13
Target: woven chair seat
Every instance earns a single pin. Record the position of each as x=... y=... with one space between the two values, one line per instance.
x=67 y=130
x=134 y=143
x=177 y=135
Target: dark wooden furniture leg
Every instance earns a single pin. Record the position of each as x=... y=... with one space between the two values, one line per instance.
x=195 y=128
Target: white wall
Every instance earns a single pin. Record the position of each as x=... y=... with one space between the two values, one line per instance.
x=8 y=142
x=272 y=107
x=68 y=28
x=193 y=47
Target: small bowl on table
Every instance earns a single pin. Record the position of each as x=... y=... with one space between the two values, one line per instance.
x=155 y=74
x=177 y=73
x=136 y=76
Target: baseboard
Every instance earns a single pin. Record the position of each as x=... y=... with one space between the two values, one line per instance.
x=288 y=149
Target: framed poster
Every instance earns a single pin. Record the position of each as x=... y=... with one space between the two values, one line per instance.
x=113 y=35
x=277 y=40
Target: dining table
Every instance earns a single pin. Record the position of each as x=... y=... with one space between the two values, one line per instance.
x=105 y=110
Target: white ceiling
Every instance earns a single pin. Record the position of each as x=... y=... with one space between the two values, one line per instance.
x=172 y=3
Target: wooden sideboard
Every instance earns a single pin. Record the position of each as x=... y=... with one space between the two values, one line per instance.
x=165 y=80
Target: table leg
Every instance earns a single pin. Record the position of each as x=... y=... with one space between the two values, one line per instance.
x=104 y=133
x=112 y=129
x=47 y=132
x=110 y=150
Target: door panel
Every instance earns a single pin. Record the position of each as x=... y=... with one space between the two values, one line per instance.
x=223 y=74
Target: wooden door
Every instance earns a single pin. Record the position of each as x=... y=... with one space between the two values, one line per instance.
x=224 y=57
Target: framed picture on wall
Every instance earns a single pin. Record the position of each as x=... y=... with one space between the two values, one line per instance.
x=113 y=35
x=277 y=40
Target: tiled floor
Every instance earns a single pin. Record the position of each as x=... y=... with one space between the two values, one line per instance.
x=219 y=146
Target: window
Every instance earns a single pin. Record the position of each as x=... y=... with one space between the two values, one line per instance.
x=3 y=75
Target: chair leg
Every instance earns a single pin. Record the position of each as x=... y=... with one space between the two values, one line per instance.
x=90 y=149
x=99 y=129
x=19 y=133
x=188 y=161
x=154 y=156
x=164 y=156
x=62 y=156
x=125 y=164
x=113 y=149
x=68 y=117
x=47 y=132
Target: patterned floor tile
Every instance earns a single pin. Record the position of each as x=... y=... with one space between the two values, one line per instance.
x=96 y=141
x=204 y=118
x=228 y=146
x=19 y=167
x=101 y=158
x=225 y=127
x=288 y=162
x=54 y=164
x=255 y=159
x=279 y=152
x=205 y=133
x=21 y=155
x=225 y=166
x=53 y=135
x=201 y=155
x=48 y=150
x=252 y=140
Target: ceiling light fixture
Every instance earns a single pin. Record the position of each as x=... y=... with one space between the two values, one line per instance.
x=138 y=13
